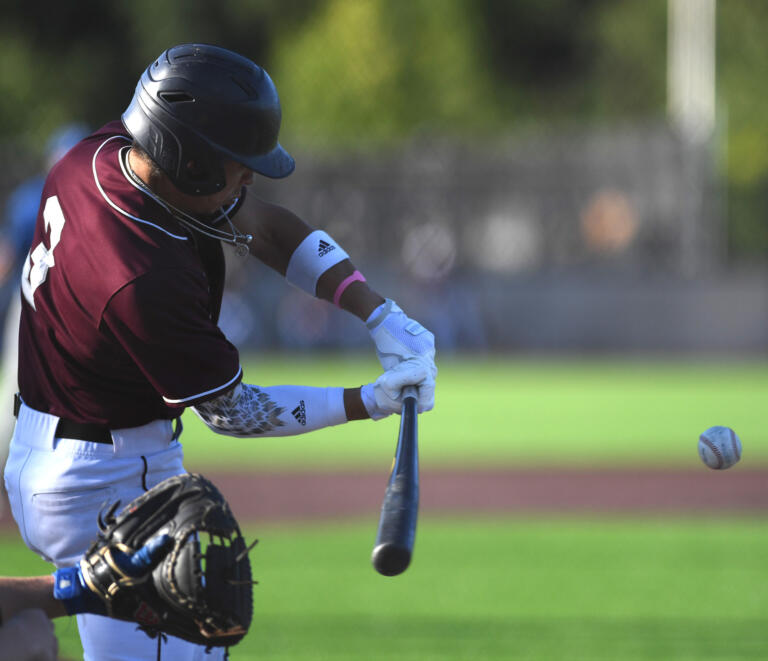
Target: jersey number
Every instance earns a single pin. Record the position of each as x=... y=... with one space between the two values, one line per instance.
x=40 y=259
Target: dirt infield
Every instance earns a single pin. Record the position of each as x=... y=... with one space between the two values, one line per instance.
x=319 y=496
x=308 y=496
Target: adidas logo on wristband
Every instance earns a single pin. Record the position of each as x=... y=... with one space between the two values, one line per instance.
x=300 y=412
x=324 y=248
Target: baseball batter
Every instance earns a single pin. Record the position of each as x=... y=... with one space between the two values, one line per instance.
x=121 y=293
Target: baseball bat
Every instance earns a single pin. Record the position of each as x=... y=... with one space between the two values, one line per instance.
x=399 y=509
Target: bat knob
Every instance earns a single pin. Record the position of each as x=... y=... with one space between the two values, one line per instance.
x=390 y=560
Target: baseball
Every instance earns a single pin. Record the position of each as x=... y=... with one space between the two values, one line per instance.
x=719 y=447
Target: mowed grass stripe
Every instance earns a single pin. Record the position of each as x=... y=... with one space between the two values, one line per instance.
x=499 y=410
x=505 y=589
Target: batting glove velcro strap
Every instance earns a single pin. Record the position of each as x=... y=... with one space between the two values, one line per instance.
x=399 y=338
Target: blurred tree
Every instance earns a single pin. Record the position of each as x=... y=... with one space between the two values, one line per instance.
x=742 y=63
x=371 y=71
x=354 y=72
x=575 y=61
x=540 y=44
x=541 y=52
x=49 y=76
x=630 y=71
x=742 y=66
x=81 y=60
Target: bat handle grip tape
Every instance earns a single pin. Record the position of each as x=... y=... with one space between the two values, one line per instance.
x=410 y=391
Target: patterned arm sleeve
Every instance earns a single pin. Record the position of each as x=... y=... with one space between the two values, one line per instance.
x=247 y=410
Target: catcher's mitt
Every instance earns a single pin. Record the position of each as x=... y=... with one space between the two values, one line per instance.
x=202 y=589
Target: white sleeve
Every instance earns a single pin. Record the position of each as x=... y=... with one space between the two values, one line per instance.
x=248 y=410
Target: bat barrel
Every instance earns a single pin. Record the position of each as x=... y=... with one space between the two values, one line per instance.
x=397 y=524
x=390 y=560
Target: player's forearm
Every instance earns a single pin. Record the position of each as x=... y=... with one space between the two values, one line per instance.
x=276 y=233
x=357 y=298
x=247 y=410
x=282 y=241
x=22 y=593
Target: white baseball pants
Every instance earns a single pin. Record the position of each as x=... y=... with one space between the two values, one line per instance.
x=56 y=488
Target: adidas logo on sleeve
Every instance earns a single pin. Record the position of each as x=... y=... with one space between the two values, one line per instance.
x=300 y=412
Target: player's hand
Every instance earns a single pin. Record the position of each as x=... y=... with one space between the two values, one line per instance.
x=399 y=338
x=71 y=588
x=385 y=396
x=28 y=636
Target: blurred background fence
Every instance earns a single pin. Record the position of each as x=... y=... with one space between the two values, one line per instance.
x=522 y=176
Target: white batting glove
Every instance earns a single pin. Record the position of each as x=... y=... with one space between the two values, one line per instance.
x=399 y=338
x=385 y=395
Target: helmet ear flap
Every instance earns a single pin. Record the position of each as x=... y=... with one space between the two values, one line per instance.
x=193 y=167
x=201 y=171
x=196 y=172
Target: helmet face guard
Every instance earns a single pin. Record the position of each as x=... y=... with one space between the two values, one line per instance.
x=198 y=105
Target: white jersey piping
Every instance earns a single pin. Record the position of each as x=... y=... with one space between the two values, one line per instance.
x=125 y=174
x=207 y=392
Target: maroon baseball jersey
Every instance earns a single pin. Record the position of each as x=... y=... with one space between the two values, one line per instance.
x=119 y=302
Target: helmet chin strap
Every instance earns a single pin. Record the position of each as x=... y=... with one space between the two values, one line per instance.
x=239 y=240
x=234 y=236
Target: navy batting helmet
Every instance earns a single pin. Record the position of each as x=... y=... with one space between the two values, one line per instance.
x=197 y=105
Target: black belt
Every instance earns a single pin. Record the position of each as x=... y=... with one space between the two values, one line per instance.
x=87 y=431
x=83 y=431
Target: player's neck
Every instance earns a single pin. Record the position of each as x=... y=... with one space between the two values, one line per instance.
x=144 y=170
x=157 y=182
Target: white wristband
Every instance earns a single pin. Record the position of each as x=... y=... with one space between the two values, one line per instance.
x=314 y=256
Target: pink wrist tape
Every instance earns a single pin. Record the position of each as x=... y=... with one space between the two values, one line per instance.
x=344 y=284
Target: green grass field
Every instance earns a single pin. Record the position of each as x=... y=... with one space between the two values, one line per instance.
x=497 y=410
x=504 y=589
x=509 y=589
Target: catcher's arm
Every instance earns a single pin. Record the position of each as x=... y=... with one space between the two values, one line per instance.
x=65 y=592
x=28 y=592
